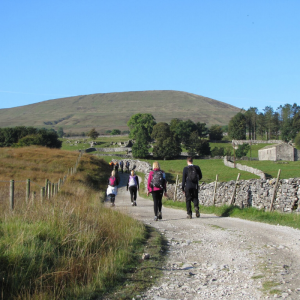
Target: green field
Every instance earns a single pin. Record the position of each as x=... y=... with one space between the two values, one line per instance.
x=102 y=142
x=289 y=169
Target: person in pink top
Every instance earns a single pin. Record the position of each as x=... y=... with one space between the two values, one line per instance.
x=157 y=186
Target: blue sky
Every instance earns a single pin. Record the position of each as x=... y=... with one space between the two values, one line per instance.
x=242 y=52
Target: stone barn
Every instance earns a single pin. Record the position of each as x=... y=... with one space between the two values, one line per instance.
x=281 y=151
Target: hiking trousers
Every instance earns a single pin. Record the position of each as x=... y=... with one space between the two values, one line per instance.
x=157 y=200
x=191 y=196
x=133 y=192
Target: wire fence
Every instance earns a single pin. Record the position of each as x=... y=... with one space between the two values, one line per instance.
x=10 y=190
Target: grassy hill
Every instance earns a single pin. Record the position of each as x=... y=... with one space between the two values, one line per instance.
x=113 y=110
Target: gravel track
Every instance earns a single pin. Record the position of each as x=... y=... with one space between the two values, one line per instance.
x=220 y=258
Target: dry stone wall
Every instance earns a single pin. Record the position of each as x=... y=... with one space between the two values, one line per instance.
x=257 y=172
x=256 y=193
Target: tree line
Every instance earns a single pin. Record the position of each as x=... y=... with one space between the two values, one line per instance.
x=21 y=136
x=168 y=139
x=284 y=123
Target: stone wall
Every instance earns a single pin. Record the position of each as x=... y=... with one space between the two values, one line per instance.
x=121 y=149
x=249 y=193
x=255 y=142
x=257 y=172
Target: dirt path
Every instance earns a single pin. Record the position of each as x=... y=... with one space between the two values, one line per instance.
x=213 y=257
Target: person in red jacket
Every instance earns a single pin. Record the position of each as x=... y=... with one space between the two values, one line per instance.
x=157 y=186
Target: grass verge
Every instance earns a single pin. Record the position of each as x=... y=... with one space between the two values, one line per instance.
x=69 y=246
x=252 y=214
x=142 y=274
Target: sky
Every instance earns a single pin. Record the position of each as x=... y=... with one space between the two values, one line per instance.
x=242 y=52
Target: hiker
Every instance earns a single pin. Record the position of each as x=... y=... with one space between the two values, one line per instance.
x=190 y=183
x=157 y=187
x=112 y=165
x=121 y=164
x=112 y=188
x=127 y=166
x=133 y=186
x=117 y=168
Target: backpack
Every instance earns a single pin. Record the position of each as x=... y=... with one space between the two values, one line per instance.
x=192 y=174
x=132 y=181
x=127 y=164
x=112 y=181
x=121 y=163
x=157 y=179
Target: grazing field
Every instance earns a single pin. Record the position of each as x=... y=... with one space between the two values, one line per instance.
x=66 y=247
x=253 y=152
x=289 y=169
x=102 y=142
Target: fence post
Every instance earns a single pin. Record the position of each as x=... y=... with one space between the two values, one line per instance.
x=12 y=193
x=52 y=189
x=56 y=188
x=275 y=190
x=233 y=194
x=42 y=193
x=49 y=190
x=27 y=190
x=215 y=189
x=46 y=184
x=175 y=192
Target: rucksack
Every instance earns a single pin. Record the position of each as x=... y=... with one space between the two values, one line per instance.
x=158 y=179
x=132 y=181
x=112 y=181
x=192 y=174
x=121 y=163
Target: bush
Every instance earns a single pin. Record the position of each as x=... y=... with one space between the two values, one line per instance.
x=217 y=151
x=242 y=150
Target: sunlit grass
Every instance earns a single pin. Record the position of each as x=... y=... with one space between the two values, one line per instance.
x=70 y=246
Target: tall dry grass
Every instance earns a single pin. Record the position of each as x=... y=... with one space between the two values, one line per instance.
x=70 y=246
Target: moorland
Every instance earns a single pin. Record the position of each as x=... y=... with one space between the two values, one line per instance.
x=113 y=110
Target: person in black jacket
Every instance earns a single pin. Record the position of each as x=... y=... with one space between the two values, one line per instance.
x=190 y=182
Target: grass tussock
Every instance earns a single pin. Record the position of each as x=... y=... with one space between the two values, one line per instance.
x=251 y=213
x=70 y=246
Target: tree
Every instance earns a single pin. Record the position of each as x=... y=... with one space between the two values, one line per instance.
x=242 y=150
x=216 y=133
x=140 y=147
x=60 y=132
x=141 y=121
x=167 y=144
x=197 y=146
x=183 y=129
x=237 y=127
x=297 y=141
x=93 y=134
x=115 y=132
x=25 y=136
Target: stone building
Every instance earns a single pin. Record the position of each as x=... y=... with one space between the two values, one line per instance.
x=281 y=151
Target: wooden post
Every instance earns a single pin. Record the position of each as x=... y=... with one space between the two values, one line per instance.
x=49 y=189
x=175 y=192
x=46 y=184
x=42 y=194
x=33 y=196
x=275 y=190
x=59 y=184
x=12 y=194
x=215 y=189
x=27 y=190
x=56 y=188
x=233 y=194
x=52 y=189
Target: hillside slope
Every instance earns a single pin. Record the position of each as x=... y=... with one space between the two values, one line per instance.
x=113 y=110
